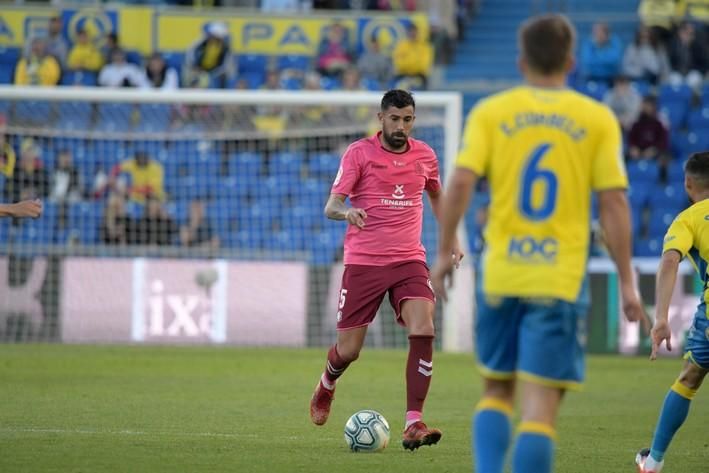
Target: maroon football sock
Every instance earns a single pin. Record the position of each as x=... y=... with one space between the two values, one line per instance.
x=335 y=366
x=419 y=368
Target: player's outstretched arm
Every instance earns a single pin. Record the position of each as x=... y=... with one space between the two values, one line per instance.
x=336 y=209
x=455 y=201
x=665 y=283
x=617 y=233
x=25 y=208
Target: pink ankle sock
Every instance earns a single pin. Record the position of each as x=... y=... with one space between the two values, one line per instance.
x=411 y=417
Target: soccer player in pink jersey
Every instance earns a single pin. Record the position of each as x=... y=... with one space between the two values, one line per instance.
x=385 y=177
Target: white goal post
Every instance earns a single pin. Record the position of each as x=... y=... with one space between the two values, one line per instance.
x=449 y=118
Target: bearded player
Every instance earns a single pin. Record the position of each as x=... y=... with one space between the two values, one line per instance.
x=385 y=177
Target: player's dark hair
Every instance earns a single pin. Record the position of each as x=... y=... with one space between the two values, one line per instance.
x=397 y=98
x=697 y=167
x=547 y=42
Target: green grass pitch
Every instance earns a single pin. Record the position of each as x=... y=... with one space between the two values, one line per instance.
x=158 y=409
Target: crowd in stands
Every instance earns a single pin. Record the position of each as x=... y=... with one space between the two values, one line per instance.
x=211 y=61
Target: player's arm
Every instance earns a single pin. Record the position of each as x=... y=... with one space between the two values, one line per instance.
x=665 y=283
x=336 y=209
x=615 y=222
x=454 y=202
x=26 y=208
x=436 y=199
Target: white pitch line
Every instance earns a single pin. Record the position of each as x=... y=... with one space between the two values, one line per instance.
x=38 y=430
x=35 y=430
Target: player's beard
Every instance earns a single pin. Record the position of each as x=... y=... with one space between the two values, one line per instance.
x=396 y=140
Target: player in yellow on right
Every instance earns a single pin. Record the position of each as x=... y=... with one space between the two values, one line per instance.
x=687 y=237
x=544 y=150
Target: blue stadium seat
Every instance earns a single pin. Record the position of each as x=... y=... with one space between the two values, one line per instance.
x=676 y=114
x=83 y=78
x=261 y=214
x=174 y=60
x=134 y=57
x=323 y=165
x=231 y=188
x=371 y=84
x=593 y=89
x=329 y=83
x=324 y=246
x=32 y=111
x=220 y=213
x=642 y=87
x=178 y=210
x=671 y=197
x=291 y=83
x=301 y=216
x=286 y=162
x=246 y=164
x=698 y=120
x=684 y=144
x=115 y=117
x=8 y=59
x=670 y=93
x=85 y=220
x=658 y=222
x=648 y=247
x=675 y=171
x=154 y=117
x=639 y=194
x=284 y=240
x=248 y=63
x=643 y=172
x=245 y=239
x=293 y=61
x=254 y=80
x=74 y=116
x=7 y=74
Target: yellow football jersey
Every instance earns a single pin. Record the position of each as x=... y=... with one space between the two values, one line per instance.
x=689 y=235
x=543 y=152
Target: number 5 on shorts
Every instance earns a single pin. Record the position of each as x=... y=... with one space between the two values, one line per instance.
x=343 y=295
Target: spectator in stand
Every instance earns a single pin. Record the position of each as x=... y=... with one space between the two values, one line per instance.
x=625 y=102
x=601 y=55
x=84 y=55
x=110 y=45
x=38 y=67
x=645 y=58
x=389 y=5
x=443 y=26
x=659 y=16
x=56 y=44
x=351 y=79
x=413 y=58
x=648 y=137
x=209 y=61
x=30 y=179
x=374 y=65
x=155 y=227
x=334 y=53
x=198 y=231
x=116 y=224
x=688 y=57
x=121 y=73
x=66 y=183
x=158 y=75
x=141 y=177
x=7 y=154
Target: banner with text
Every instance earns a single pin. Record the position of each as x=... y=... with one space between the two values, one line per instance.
x=183 y=301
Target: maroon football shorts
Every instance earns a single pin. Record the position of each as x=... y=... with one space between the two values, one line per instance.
x=364 y=287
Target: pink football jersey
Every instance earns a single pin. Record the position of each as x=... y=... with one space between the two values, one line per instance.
x=389 y=187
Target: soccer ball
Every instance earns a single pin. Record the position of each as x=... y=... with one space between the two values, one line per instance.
x=367 y=431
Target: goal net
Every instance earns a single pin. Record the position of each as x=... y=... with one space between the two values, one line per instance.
x=188 y=217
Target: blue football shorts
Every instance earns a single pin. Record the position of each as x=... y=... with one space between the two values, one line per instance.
x=696 y=348
x=537 y=340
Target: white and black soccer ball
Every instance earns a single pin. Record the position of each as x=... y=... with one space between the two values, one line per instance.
x=367 y=431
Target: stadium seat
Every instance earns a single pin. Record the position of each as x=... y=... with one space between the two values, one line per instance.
x=154 y=117
x=323 y=165
x=324 y=246
x=115 y=117
x=671 y=197
x=250 y=63
x=676 y=114
x=658 y=222
x=245 y=239
x=246 y=164
x=675 y=171
x=698 y=121
x=329 y=83
x=254 y=80
x=230 y=188
x=648 y=247
x=82 y=78
x=292 y=83
x=684 y=144
x=593 y=89
x=670 y=93
x=31 y=111
x=639 y=194
x=643 y=172
x=178 y=210
x=286 y=162
x=371 y=84
x=295 y=62
x=284 y=240
x=74 y=116
x=134 y=57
